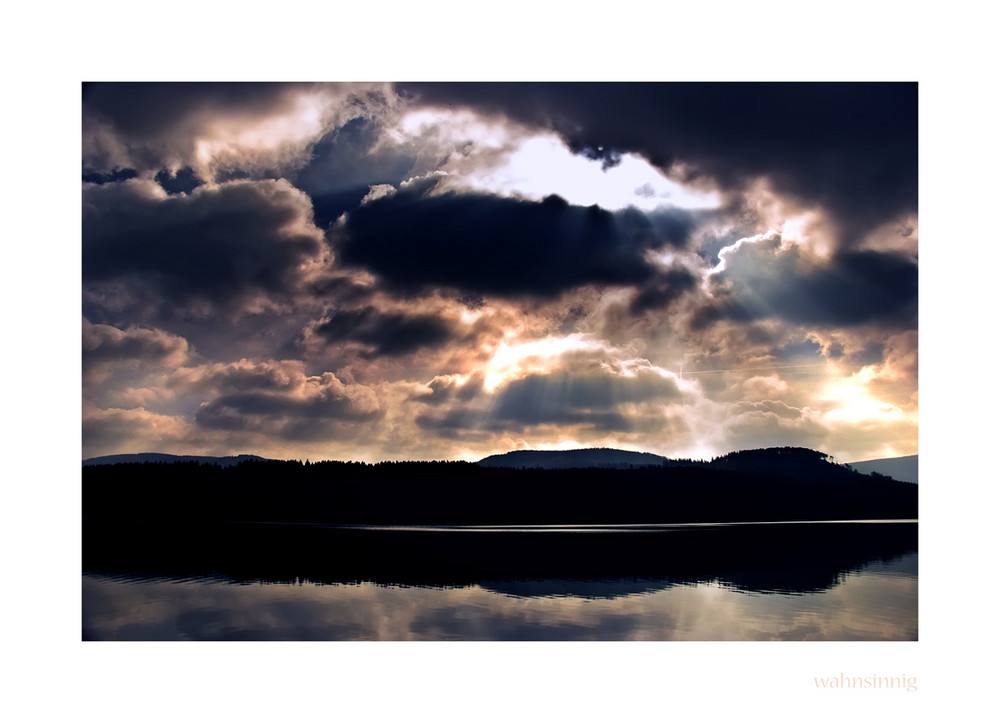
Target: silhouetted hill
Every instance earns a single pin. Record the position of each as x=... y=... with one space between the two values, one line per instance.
x=754 y=485
x=784 y=461
x=170 y=458
x=903 y=469
x=572 y=458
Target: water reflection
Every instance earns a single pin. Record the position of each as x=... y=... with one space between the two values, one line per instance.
x=877 y=603
x=808 y=582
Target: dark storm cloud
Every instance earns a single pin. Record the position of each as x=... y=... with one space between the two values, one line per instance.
x=573 y=397
x=852 y=288
x=243 y=376
x=857 y=286
x=106 y=344
x=212 y=245
x=589 y=398
x=848 y=147
x=490 y=245
x=242 y=410
x=663 y=290
x=113 y=176
x=461 y=423
x=149 y=126
x=388 y=333
x=454 y=423
x=146 y=110
x=308 y=408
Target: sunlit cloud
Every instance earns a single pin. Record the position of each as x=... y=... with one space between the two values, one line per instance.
x=854 y=402
x=513 y=360
x=231 y=140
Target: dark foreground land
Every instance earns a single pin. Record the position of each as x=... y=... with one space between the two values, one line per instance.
x=334 y=522
x=762 y=485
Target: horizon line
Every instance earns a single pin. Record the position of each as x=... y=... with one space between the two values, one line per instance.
x=493 y=454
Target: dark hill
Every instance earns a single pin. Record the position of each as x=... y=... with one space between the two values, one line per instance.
x=782 y=461
x=572 y=458
x=170 y=458
x=787 y=462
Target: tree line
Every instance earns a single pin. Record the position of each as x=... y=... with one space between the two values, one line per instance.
x=761 y=485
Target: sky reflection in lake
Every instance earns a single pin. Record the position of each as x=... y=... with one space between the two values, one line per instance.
x=876 y=603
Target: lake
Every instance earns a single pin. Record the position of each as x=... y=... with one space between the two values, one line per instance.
x=749 y=581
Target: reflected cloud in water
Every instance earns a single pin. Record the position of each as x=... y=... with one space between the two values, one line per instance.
x=875 y=603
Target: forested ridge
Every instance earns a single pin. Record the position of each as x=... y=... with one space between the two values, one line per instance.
x=756 y=485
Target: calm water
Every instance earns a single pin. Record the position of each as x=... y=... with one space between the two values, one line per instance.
x=809 y=581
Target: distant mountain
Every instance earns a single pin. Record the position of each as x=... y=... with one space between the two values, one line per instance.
x=777 y=460
x=903 y=469
x=167 y=458
x=772 y=461
x=573 y=458
x=783 y=461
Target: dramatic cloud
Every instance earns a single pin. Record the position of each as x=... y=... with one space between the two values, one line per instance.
x=572 y=398
x=304 y=416
x=445 y=271
x=664 y=289
x=587 y=392
x=414 y=238
x=106 y=345
x=761 y=278
x=213 y=128
x=279 y=399
x=387 y=333
x=850 y=148
x=216 y=245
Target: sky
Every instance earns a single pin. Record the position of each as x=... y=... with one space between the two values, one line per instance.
x=375 y=271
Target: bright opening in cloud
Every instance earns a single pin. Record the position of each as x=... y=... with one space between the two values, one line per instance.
x=505 y=160
x=458 y=127
x=542 y=165
x=514 y=360
x=855 y=404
